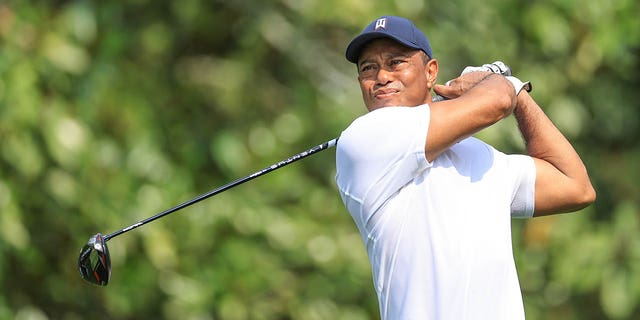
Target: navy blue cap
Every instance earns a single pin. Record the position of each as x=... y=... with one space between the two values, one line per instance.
x=396 y=28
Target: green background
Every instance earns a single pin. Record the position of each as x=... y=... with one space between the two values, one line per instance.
x=113 y=111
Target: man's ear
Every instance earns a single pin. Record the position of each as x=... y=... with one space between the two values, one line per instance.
x=431 y=72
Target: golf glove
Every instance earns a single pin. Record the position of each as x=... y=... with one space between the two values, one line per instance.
x=498 y=67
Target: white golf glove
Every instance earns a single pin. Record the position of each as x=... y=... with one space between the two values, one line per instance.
x=498 y=67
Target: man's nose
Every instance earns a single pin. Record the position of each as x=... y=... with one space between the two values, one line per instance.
x=384 y=76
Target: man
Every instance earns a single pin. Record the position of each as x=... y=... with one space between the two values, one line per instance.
x=432 y=203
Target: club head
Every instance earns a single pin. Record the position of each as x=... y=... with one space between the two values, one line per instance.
x=94 y=262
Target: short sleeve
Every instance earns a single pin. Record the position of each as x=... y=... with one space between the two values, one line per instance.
x=523 y=199
x=381 y=152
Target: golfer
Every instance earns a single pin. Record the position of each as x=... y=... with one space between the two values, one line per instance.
x=432 y=203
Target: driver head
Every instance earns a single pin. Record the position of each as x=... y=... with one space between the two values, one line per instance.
x=94 y=262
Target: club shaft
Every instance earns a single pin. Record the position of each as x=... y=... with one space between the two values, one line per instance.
x=227 y=186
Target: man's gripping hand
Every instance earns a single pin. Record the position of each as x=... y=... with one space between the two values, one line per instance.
x=470 y=76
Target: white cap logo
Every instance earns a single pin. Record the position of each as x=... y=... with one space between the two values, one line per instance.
x=381 y=24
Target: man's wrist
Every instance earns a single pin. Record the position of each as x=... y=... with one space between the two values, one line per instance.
x=518 y=85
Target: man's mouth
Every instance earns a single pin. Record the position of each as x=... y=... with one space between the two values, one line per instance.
x=384 y=94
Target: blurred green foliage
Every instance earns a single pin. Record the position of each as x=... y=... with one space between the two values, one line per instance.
x=113 y=111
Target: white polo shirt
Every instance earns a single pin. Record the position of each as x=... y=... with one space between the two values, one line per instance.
x=438 y=235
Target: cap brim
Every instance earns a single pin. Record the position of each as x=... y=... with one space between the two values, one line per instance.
x=357 y=44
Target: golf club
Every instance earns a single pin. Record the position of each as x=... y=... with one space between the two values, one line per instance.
x=94 y=262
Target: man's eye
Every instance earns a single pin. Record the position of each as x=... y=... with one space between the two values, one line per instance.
x=396 y=62
x=366 y=68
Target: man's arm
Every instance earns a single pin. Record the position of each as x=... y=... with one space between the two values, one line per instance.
x=562 y=181
x=481 y=99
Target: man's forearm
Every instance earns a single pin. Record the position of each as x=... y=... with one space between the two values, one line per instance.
x=543 y=140
x=479 y=99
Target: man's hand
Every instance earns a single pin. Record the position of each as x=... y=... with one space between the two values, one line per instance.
x=456 y=87
x=471 y=76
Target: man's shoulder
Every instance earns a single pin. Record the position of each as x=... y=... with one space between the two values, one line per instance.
x=387 y=116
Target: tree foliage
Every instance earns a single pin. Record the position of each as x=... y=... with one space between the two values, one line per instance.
x=113 y=111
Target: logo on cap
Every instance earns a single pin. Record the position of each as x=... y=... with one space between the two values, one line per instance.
x=381 y=24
